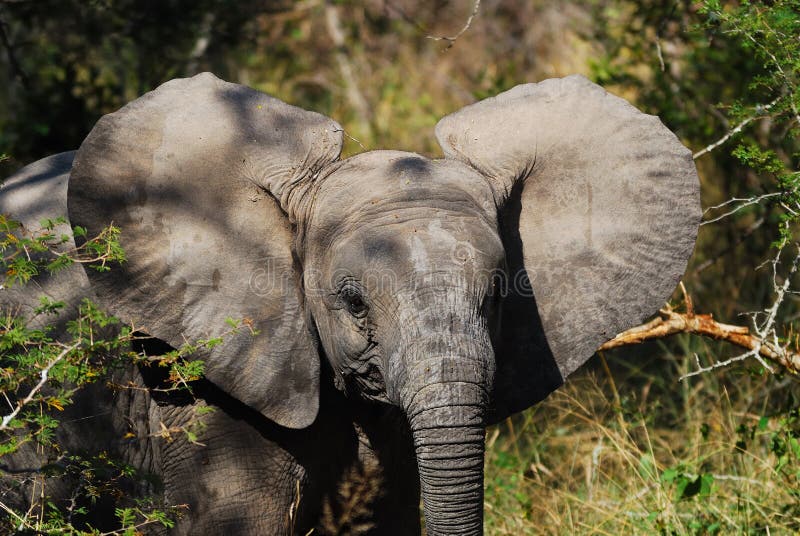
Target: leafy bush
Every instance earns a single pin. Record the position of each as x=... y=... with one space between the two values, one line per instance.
x=43 y=369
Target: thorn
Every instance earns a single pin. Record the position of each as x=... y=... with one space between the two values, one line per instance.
x=687 y=300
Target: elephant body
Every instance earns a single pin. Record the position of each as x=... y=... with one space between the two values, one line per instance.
x=352 y=471
x=402 y=303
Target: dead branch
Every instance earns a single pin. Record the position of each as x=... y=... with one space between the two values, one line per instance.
x=452 y=40
x=671 y=322
x=743 y=202
x=762 y=344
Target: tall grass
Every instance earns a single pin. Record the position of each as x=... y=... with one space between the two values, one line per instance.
x=625 y=448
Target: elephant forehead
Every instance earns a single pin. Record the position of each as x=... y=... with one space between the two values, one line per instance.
x=378 y=187
x=424 y=250
x=413 y=241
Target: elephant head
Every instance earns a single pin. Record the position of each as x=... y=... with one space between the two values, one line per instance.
x=461 y=289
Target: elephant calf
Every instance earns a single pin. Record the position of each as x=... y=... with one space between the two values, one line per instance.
x=402 y=303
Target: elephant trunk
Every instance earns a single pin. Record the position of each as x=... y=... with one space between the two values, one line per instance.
x=445 y=410
x=449 y=449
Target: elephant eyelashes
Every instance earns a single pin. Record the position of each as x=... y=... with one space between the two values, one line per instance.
x=353 y=302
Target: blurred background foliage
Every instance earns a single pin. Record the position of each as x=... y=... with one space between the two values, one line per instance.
x=625 y=446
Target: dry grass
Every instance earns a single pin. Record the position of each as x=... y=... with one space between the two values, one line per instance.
x=627 y=449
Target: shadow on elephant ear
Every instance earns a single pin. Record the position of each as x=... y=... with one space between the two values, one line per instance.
x=527 y=371
x=296 y=440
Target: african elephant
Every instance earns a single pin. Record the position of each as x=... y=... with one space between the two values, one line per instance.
x=403 y=303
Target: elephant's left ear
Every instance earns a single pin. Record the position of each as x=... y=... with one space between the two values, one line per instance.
x=599 y=207
x=202 y=177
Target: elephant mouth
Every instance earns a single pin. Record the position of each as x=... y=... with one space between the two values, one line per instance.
x=367 y=379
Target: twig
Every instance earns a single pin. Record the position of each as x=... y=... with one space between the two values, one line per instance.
x=660 y=54
x=405 y=16
x=671 y=322
x=745 y=202
x=134 y=528
x=343 y=131
x=739 y=240
x=42 y=381
x=786 y=79
x=452 y=40
x=23 y=523
x=738 y=128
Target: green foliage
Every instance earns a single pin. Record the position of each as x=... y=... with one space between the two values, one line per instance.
x=42 y=371
x=762 y=161
x=687 y=485
x=98 y=476
x=26 y=255
x=768 y=31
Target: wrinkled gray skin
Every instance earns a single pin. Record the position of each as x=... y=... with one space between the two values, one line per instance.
x=403 y=303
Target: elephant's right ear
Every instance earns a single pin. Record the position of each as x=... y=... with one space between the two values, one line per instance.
x=184 y=172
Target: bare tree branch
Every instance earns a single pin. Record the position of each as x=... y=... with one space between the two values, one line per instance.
x=744 y=202
x=761 y=345
x=738 y=128
x=671 y=323
x=354 y=95
x=787 y=80
x=452 y=40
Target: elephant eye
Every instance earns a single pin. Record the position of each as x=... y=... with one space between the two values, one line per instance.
x=354 y=302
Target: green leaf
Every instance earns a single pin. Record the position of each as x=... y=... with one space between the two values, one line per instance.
x=669 y=475
x=762 y=423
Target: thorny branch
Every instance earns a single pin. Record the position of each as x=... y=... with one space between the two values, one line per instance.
x=786 y=79
x=43 y=375
x=744 y=202
x=86 y=253
x=761 y=112
x=738 y=128
x=452 y=40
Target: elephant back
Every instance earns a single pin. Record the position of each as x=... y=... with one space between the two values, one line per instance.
x=38 y=192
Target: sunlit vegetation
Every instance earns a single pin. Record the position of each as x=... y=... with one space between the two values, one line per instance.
x=626 y=446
